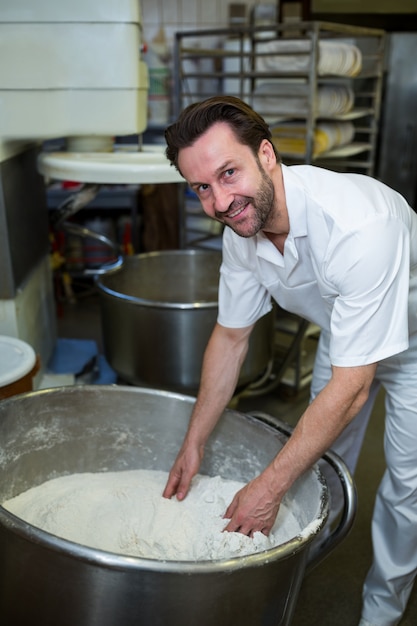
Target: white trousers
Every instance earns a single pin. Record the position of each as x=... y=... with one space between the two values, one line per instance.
x=394 y=526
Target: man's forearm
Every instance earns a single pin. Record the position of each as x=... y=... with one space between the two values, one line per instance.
x=223 y=359
x=322 y=422
x=254 y=507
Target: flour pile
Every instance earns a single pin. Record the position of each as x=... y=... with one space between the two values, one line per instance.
x=125 y=513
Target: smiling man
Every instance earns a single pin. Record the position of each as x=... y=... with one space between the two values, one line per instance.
x=341 y=251
x=224 y=185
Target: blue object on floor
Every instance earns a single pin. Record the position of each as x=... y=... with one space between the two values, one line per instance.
x=71 y=356
x=107 y=375
x=81 y=356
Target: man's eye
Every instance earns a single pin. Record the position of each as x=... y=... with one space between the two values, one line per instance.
x=229 y=172
x=203 y=188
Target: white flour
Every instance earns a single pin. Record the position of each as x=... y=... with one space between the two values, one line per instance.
x=124 y=512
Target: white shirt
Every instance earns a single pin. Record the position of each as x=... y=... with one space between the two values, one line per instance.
x=349 y=265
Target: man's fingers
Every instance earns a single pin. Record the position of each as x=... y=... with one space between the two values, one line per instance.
x=171 y=487
x=178 y=484
x=247 y=529
x=230 y=511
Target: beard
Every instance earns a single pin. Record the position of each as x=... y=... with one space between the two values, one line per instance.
x=261 y=216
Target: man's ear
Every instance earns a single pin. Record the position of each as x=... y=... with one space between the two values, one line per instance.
x=267 y=155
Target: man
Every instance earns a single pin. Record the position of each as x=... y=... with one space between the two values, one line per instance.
x=341 y=251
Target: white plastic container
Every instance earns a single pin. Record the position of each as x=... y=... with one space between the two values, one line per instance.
x=18 y=365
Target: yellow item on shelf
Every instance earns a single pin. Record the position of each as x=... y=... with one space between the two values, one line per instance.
x=291 y=138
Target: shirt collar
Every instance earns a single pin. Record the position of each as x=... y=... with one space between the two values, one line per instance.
x=296 y=206
x=296 y=202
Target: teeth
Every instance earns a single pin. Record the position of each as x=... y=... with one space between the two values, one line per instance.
x=237 y=212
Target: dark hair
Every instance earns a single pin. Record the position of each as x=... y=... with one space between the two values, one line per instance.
x=249 y=127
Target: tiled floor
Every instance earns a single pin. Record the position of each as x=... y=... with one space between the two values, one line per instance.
x=331 y=593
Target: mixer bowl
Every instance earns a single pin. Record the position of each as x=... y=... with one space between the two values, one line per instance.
x=158 y=311
x=48 y=580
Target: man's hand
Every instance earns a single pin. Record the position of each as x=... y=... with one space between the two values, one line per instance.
x=254 y=508
x=185 y=467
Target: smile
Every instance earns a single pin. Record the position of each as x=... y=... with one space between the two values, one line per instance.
x=238 y=212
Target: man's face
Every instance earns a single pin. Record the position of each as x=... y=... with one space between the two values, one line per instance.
x=231 y=183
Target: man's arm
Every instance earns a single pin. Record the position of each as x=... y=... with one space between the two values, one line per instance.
x=223 y=358
x=255 y=507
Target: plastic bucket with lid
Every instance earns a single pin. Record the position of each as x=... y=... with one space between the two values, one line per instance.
x=18 y=366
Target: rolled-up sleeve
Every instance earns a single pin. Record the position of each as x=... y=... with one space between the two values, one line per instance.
x=242 y=298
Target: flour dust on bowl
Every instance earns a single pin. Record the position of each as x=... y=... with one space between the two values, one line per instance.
x=158 y=311
x=47 y=580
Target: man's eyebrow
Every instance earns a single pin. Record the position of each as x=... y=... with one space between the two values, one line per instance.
x=196 y=184
x=224 y=167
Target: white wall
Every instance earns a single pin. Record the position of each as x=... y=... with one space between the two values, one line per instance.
x=177 y=15
x=161 y=19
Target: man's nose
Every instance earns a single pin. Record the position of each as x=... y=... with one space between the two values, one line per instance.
x=222 y=199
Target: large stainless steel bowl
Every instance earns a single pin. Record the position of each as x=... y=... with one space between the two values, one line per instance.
x=157 y=313
x=50 y=581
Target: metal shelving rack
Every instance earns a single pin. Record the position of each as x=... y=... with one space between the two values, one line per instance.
x=210 y=62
